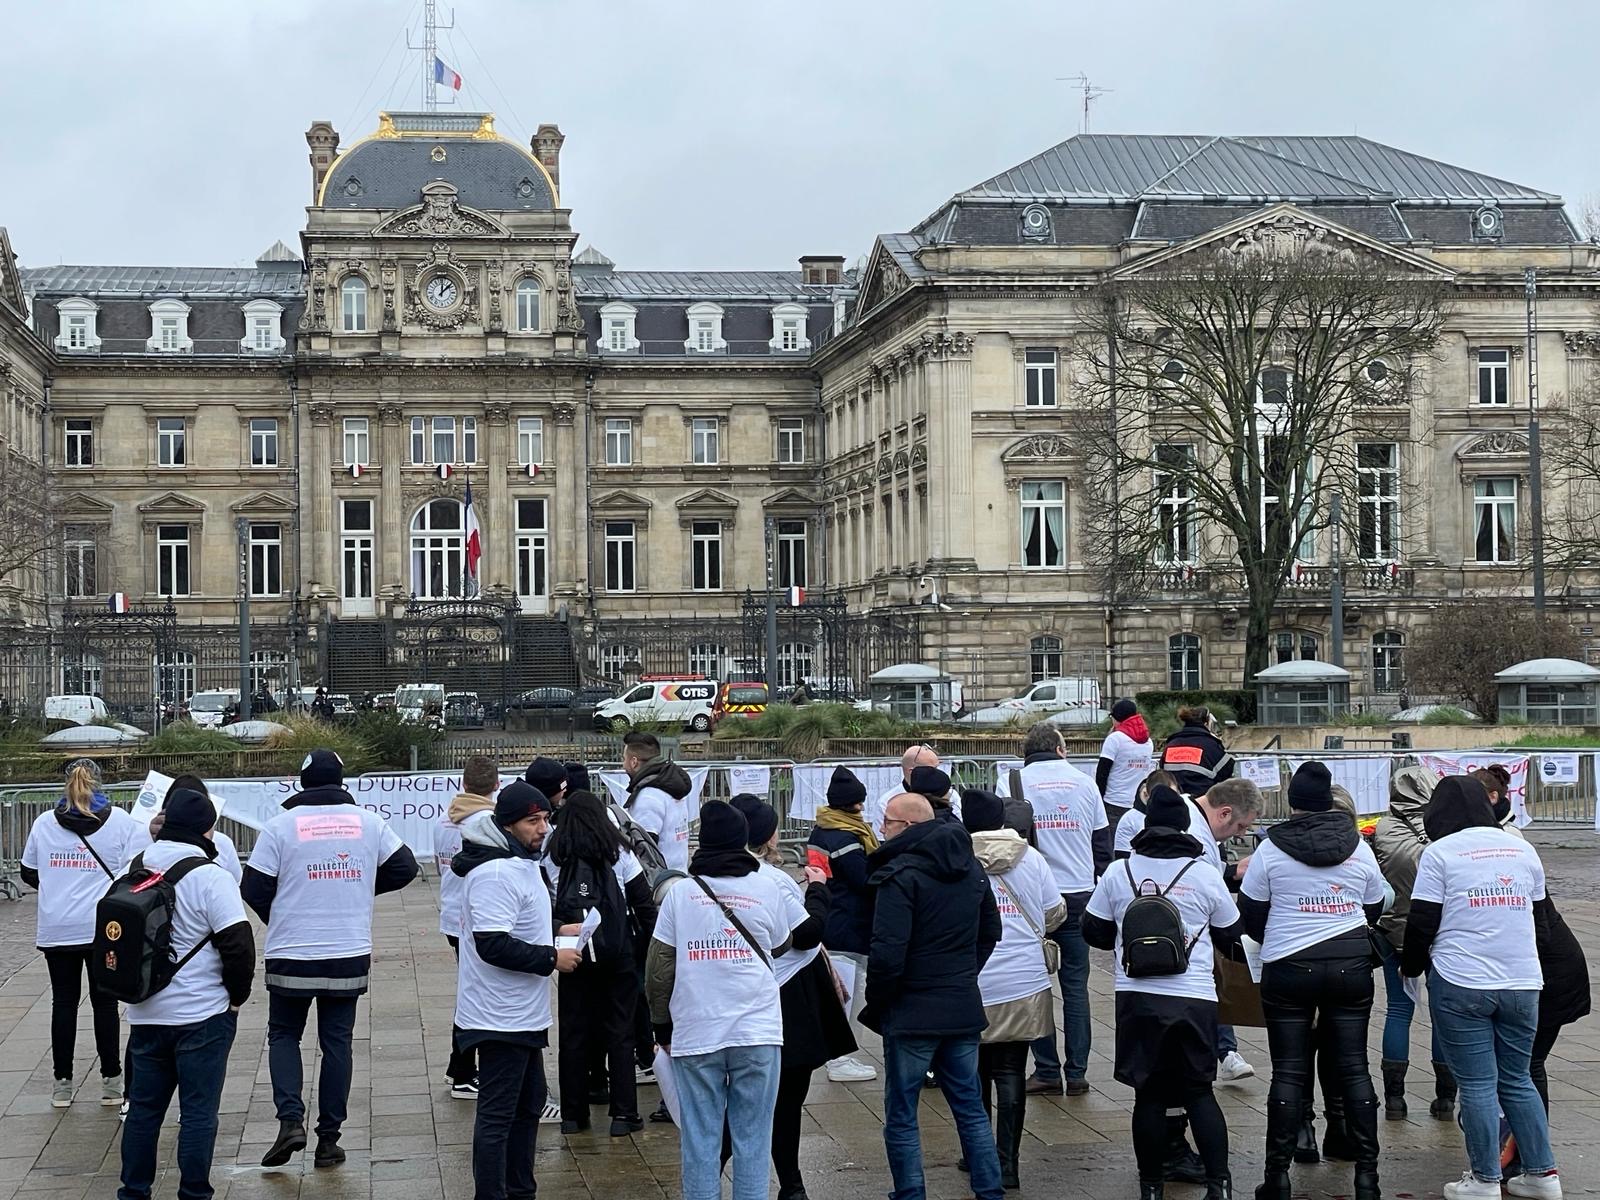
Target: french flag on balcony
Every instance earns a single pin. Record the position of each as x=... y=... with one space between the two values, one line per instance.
x=118 y=602
x=357 y=470
x=797 y=597
x=533 y=470
x=474 y=539
x=444 y=76
x=445 y=470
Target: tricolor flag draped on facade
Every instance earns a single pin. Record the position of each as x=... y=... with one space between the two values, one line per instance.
x=474 y=540
x=797 y=596
x=118 y=602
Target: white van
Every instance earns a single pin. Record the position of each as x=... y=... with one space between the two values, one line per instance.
x=1055 y=695
x=79 y=709
x=420 y=702
x=207 y=709
x=675 y=701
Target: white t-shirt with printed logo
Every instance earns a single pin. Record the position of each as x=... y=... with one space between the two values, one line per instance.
x=1130 y=763
x=446 y=845
x=71 y=881
x=1015 y=970
x=325 y=858
x=1133 y=821
x=724 y=994
x=787 y=966
x=505 y=895
x=668 y=819
x=1128 y=828
x=207 y=902
x=1203 y=901
x=1310 y=904
x=227 y=853
x=1066 y=812
x=1487 y=881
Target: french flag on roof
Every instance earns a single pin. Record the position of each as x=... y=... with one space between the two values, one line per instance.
x=444 y=75
x=118 y=602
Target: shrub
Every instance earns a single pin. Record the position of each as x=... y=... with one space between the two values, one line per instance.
x=1448 y=714
x=1240 y=703
x=387 y=740
x=801 y=730
x=185 y=737
x=305 y=733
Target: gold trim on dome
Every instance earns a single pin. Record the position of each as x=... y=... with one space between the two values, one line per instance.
x=385 y=129
x=485 y=130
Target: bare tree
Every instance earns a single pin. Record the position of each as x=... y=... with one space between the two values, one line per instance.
x=30 y=528
x=1233 y=387
x=1466 y=643
x=1570 y=445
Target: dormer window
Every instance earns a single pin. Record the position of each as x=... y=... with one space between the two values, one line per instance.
x=617 y=328
x=169 y=327
x=353 y=304
x=705 y=329
x=77 y=330
x=263 y=327
x=528 y=305
x=789 y=329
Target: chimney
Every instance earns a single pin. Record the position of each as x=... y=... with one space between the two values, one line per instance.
x=324 y=143
x=547 y=149
x=821 y=268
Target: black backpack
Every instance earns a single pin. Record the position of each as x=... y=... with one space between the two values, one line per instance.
x=642 y=844
x=585 y=886
x=1153 y=936
x=131 y=959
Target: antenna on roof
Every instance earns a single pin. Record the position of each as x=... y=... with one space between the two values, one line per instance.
x=1090 y=91
x=433 y=71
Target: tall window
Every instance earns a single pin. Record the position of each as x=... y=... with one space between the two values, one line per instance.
x=356 y=442
x=619 y=442
x=82 y=675
x=169 y=333
x=705 y=555
x=1378 y=491
x=1494 y=377
x=1044 y=658
x=703 y=442
x=438 y=550
x=355 y=550
x=533 y=550
x=77 y=333
x=706 y=658
x=794 y=663
x=530 y=441
x=1040 y=368
x=469 y=440
x=618 y=661
x=617 y=333
x=266 y=560
x=619 y=556
x=263 y=442
x=419 y=441
x=1494 y=519
x=1287 y=645
x=78 y=555
x=263 y=335
x=1044 y=523
x=444 y=439
x=79 y=449
x=791 y=441
x=175 y=674
x=1183 y=662
x=171 y=442
x=527 y=305
x=353 y=304
x=1388 y=661
x=269 y=670
x=1175 y=489
x=789 y=334
x=791 y=554
x=172 y=560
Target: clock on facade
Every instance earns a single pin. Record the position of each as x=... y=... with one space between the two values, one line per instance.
x=441 y=291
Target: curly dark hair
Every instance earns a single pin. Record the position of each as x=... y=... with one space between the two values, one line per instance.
x=585 y=833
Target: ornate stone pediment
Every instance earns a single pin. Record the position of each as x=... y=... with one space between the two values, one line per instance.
x=1047 y=446
x=708 y=504
x=1499 y=444
x=262 y=503
x=172 y=504
x=621 y=506
x=440 y=215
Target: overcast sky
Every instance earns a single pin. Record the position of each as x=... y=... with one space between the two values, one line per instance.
x=713 y=134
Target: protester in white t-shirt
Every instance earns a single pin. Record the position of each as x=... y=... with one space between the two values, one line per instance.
x=714 y=1000
x=1014 y=983
x=1478 y=910
x=914 y=757
x=72 y=854
x=1167 y=1024
x=145 y=835
x=312 y=877
x=1126 y=757
x=1311 y=896
x=480 y=779
x=508 y=951
x=657 y=794
x=179 y=1038
x=1132 y=821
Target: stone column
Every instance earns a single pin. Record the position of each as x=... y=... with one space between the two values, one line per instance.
x=950 y=447
x=320 y=569
x=568 y=569
x=393 y=579
x=498 y=520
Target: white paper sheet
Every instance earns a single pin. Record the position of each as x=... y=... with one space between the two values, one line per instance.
x=1263 y=772
x=1558 y=768
x=668 y=1083
x=755 y=779
x=1252 y=957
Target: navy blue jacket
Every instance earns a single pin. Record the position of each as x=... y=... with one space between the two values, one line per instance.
x=848 y=928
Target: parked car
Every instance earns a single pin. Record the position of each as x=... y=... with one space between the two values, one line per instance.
x=210 y=709
x=79 y=709
x=343 y=707
x=744 y=701
x=669 y=701
x=1053 y=695
x=545 y=697
x=463 y=710
x=420 y=702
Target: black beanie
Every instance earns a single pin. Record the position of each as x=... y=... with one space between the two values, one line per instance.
x=1311 y=788
x=547 y=775
x=516 y=800
x=929 y=782
x=1123 y=709
x=723 y=827
x=981 y=811
x=188 y=811
x=321 y=768
x=845 y=790
x=577 y=777
x=760 y=816
x=1166 y=808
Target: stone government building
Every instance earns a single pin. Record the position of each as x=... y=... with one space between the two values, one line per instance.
x=643 y=447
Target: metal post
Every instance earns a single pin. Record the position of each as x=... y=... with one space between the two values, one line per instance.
x=1336 y=587
x=242 y=533
x=772 y=609
x=1530 y=278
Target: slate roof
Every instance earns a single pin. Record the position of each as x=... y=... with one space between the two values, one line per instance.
x=155 y=282
x=389 y=169
x=775 y=286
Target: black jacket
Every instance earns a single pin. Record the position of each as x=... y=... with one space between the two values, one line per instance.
x=934 y=926
x=660 y=773
x=1197 y=759
x=849 y=924
x=1323 y=839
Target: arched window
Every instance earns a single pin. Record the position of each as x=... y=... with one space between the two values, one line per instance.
x=176 y=677
x=438 y=550
x=1389 y=661
x=528 y=305
x=1183 y=662
x=1044 y=658
x=82 y=675
x=1291 y=644
x=794 y=663
x=619 y=662
x=353 y=304
x=706 y=658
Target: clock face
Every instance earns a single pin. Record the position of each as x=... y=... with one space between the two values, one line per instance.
x=440 y=291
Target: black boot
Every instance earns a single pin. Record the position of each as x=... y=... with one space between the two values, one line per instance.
x=1394 y=1090
x=1367 y=1182
x=1336 y=1143
x=1150 y=1191
x=1444 y=1093
x=291 y=1139
x=1305 y=1139
x=1182 y=1164
x=1009 y=1110
x=329 y=1152
x=1285 y=1120
x=1275 y=1186
x=1219 y=1189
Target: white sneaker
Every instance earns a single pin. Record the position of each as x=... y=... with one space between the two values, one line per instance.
x=61 y=1094
x=850 y=1070
x=1470 y=1187
x=467 y=1089
x=550 y=1114
x=1232 y=1067
x=645 y=1076
x=1540 y=1187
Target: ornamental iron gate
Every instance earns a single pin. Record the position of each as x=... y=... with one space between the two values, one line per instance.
x=117 y=656
x=822 y=642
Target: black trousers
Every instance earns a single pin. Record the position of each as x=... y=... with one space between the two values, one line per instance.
x=463 y=1066
x=1544 y=1041
x=511 y=1094
x=794 y=1083
x=999 y=1065
x=1104 y=840
x=1326 y=1003
x=597 y=1008
x=286 y=1025
x=67 y=965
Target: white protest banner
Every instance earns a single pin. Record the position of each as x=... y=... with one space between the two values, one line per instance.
x=811 y=785
x=1263 y=772
x=1558 y=769
x=1366 y=779
x=1461 y=762
x=617 y=785
x=753 y=778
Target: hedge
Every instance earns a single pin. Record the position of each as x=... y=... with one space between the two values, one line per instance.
x=1242 y=701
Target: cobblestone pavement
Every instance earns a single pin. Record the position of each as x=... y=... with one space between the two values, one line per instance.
x=409 y=1140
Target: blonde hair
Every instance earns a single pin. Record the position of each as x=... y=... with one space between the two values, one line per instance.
x=83 y=777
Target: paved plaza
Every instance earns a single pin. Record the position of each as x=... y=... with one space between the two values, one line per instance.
x=408 y=1140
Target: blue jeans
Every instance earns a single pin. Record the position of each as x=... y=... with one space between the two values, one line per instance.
x=1399 y=1011
x=1074 y=976
x=1227 y=1041
x=1487 y=1038
x=954 y=1061
x=193 y=1061
x=741 y=1084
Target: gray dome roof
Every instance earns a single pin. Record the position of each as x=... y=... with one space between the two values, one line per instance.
x=389 y=169
x=1549 y=670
